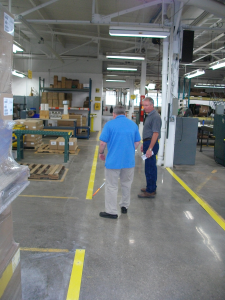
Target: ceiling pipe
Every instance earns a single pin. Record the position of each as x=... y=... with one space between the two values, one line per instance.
x=221 y=48
x=37 y=7
x=39 y=37
x=212 y=6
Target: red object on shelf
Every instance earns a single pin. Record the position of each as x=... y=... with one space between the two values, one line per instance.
x=142 y=108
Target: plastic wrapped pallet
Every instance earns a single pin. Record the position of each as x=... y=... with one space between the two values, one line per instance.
x=13 y=177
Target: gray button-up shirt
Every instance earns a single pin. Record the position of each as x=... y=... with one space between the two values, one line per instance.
x=152 y=124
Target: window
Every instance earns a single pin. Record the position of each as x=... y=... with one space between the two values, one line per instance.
x=110 y=98
x=153 y=95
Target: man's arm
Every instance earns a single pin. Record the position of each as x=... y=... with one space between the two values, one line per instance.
x=136 y=144
x=101 y=150
x=152 y=144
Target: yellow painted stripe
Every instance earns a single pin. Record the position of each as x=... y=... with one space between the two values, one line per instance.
x=38 y=196
x=4 y=280
x=43 y=250
x=202 y=202
x=97 y=138
x=92 y=176
x=76 y=276
x=214 y=171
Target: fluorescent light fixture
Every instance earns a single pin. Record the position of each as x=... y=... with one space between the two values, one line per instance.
x=139 y=32
x=17 y=47
x=115 y=80
x=111 y=75
x=195 y=73
x=121 y=68
x=217 y=64
x=18 y=73
x=210 y=86
x=127 y=56
x=151 y=86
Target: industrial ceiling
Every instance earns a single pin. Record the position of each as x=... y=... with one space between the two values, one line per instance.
x=62 y=30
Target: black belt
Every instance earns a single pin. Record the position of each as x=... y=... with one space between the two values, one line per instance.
x=147 y=139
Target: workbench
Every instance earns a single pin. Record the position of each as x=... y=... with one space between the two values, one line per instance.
x=20 y=133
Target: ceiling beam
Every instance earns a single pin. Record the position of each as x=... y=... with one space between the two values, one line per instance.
x=209 y=42
x=35 y=33
x=37 y=7
x=221 y=48
x=129 y=10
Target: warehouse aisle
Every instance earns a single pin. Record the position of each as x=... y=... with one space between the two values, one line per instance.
x=164 y=248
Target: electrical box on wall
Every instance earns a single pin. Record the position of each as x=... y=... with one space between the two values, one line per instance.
x=97 y=106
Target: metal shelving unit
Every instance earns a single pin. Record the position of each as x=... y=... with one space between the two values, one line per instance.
x=72 y=90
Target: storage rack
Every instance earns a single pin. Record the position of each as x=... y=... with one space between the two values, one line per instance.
x=42 y=88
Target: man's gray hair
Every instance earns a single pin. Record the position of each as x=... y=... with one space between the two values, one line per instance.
x=151 y=101
x=119 y=110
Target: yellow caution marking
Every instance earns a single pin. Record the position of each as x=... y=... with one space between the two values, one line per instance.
x=214 y=171
x=92 y=176
x=76 y=276
x=202 y=184
x=99 y=133
x=202 y=202
x=8 y=272
x=38 y=196
x=44 y=250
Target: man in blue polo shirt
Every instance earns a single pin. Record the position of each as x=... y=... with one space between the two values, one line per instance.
x=122 y=137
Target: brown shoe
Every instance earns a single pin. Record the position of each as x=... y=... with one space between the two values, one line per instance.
x=144 y=190
x=147 y=195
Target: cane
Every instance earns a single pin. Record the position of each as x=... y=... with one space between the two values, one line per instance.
x=98 y=190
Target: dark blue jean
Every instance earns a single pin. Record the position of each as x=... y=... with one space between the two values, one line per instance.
x=150 y=167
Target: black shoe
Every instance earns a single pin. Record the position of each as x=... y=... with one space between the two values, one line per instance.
x=123 y=210
x=106 y=215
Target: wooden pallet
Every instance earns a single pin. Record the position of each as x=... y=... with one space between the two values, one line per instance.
x=40 y=171
x=45 y=149
x=30 y=148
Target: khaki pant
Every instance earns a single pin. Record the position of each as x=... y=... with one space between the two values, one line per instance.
x=111 y=188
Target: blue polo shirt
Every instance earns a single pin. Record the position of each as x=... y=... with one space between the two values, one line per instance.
x=120 y=135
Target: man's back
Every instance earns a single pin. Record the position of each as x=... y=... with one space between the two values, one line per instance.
x=120 y=135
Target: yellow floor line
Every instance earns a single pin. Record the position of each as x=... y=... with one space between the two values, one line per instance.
x=97 y=138
x=38 y=196
x=202 y=202
x=43 y=250
x=92 y=176
x=76 y=276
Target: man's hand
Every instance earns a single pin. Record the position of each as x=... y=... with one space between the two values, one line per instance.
x=141 y=147
x=148 y=153
x=102 y=156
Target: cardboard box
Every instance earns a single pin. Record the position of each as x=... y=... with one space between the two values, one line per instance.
x=69 y=96
x=63 y=82
x=59 y=84
x=75 y=83
x=6 y=106
x=68 y=84
x=33 y=125
x=62 y=96
x=50 y=95
x=10 y=274
x=55 y=103
x=53 y=144
x=62 y=123
x=61 y=103
x=61 y=143
x=32 y=137
x=50 y=103
x=80 y=85
x=6 y=232
x=65 y=116
x=55 y=96
x=55 y=81
x=72 y=144
x=32 y=144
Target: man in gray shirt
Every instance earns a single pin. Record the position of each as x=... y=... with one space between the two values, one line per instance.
x=150 y=147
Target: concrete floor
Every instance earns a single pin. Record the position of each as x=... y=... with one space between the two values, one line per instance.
x=164 y=248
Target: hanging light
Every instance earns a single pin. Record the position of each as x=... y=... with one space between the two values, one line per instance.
x=139 y=32
x=18 y=73
x=195 y=73
x=217 y=64
x=121 y=68
x=125 y=56
x=17 y=47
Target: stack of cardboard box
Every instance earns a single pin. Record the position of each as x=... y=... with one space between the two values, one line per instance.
x=59 y=144
x=44 y=97
x=32 y=140
x=55 y=99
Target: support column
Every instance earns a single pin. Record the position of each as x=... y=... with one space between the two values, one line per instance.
x=142 y=89
x=131 y=110
x=164 y=102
